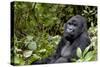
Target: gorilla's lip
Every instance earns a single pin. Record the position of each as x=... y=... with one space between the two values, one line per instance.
x=69 y=37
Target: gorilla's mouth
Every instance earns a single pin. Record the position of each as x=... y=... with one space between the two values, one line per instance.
x=69 y=36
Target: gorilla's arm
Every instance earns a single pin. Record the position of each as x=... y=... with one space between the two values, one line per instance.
x=55 y=56
x=84 y=41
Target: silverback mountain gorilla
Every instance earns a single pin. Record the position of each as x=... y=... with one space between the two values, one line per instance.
x=75 y=35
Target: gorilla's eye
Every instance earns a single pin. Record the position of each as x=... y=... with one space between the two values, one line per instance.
x=70 y=23
x=75 y=24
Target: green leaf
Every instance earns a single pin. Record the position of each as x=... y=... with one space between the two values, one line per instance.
x=33 y=58
x=29 y=37
x=89 y=56
x=16 y=60
x=32 y=46
x=79 y=52
x=42 y=50
x=36 y=56
x=27 y=53
x=56 y=39
x=86 y=50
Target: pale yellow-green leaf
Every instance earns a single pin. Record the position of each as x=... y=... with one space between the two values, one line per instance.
x=88 y=56
x=79 y=52
x=27 y=53
x=32 y=46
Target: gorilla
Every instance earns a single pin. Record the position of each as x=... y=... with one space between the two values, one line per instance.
x=75 y=35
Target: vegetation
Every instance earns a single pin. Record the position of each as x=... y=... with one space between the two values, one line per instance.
x=38 y=28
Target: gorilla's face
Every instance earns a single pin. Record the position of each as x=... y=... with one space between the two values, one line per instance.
x=73 y=28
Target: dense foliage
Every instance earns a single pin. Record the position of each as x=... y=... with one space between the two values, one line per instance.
x=39 y=27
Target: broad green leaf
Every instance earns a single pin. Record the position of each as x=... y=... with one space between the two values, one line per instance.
x=79 y=52
x=16 y=60
x=88 y=56
x=36 y=56
x=33 y=58
x=32 y=46
x=27 y=53
x=56 y=38
x=29 y=37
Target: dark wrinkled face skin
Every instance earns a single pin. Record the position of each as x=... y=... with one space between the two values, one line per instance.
x=72 y=28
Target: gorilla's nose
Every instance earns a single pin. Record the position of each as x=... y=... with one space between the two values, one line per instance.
x=69 y=30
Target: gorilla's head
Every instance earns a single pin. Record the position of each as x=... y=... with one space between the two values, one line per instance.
x=74 y=27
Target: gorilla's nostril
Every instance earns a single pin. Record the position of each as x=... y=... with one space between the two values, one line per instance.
x=69 y=30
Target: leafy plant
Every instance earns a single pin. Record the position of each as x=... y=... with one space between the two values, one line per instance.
x=38 y=26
